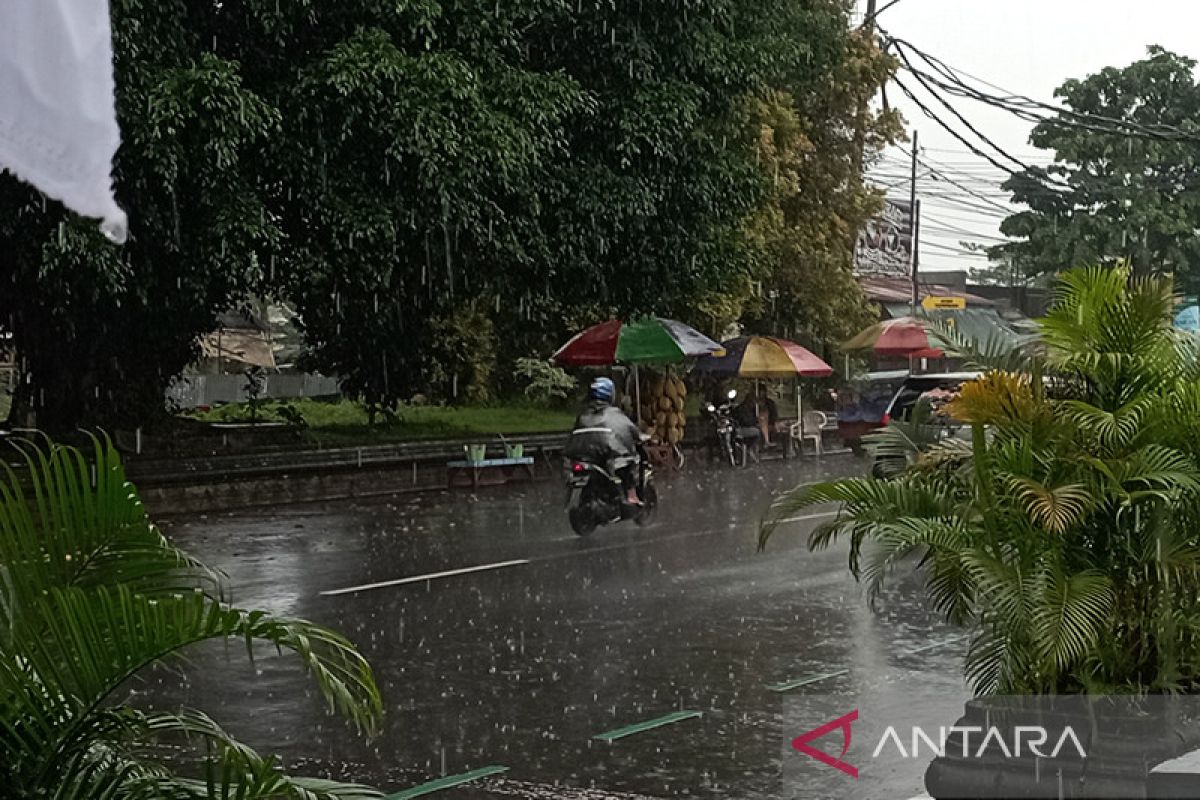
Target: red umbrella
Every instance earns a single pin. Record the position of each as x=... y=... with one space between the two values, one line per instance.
x=903 y=336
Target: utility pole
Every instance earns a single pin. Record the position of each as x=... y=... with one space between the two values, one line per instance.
x=916 y=224
x=860 y=122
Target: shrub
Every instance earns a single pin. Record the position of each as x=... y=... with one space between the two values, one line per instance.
x=545 y=382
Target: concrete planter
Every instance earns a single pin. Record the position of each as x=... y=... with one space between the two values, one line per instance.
x=1122 y=741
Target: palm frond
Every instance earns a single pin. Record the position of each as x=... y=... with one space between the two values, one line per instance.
x=90 y=594
x=1072 y=614
x=1055 y=508
x=894 y=447
x=68 y=522
x=861 y=499
x=997 y=398
x=996 y=350
x=1111 y=430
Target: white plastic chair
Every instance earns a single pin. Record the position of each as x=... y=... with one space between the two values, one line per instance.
x=809 y=428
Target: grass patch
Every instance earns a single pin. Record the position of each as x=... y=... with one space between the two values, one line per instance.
x=343 y=422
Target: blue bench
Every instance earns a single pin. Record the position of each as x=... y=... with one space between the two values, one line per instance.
x=507 y=466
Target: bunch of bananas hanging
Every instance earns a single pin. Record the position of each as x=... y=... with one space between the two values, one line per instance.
x=662 y=409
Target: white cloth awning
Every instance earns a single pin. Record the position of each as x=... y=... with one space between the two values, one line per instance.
x=58 y=122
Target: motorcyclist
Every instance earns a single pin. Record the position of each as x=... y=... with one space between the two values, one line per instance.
x=604 y=435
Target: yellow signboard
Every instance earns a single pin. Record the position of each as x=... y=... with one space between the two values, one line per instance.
x=944 y=303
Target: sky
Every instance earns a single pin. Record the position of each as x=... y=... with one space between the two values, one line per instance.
x=1027 y=47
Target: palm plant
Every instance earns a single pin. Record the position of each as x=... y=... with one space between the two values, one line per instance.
x=1065 y=538
x=91 y=594
x=897 y=446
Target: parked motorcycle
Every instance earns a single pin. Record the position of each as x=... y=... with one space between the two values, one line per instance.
x=735 y=442
x=595 y=496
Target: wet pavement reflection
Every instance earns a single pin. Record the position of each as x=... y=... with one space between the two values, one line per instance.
x=523 y=664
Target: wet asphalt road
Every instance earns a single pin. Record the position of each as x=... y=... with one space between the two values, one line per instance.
x=522 y=665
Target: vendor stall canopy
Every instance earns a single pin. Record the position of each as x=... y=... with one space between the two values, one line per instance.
x=653 y=340
x=764 y=357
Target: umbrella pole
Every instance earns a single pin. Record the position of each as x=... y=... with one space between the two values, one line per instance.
x=637 y=394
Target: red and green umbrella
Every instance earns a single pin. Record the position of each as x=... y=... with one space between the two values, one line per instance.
x=764 y=357
x=646 y=341
x=903 y=336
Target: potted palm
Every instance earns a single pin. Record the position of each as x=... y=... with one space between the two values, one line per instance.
x=1063 y=535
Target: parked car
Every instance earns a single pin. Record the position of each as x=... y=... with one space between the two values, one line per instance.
x=932 y=426
x=916 y=386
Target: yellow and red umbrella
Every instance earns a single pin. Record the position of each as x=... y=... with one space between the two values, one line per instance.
x=763 y=357
x=903 y=336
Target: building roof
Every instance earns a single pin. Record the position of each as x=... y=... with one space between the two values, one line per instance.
x=888 y=290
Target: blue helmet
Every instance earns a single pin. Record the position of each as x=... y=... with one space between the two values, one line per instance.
x=602 y=389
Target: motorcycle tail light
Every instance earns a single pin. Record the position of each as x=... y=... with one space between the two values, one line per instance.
x=577 y=467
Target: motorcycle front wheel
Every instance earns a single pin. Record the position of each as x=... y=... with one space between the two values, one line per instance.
x=649 y=509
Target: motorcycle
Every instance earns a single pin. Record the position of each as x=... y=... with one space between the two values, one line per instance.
x=734 y=441
x=595 y=496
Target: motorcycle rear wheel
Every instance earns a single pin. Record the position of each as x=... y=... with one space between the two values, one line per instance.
x=582 y=521
x=649 y=509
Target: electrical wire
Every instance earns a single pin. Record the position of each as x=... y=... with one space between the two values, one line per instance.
x=951 y=81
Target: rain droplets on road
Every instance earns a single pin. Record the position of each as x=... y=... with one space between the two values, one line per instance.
x=523 y=665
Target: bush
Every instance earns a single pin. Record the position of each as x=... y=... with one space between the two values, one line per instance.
x=545 y=382
x=462 y=358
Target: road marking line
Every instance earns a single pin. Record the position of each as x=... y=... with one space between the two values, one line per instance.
x=787 y=686
x=557 y=556
x=935 y=645
x=446 y=783
x=430 y=577
x=648 y=725
x=807 y=517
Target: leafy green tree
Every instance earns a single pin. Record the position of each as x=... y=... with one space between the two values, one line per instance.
x=382 y=166
x=414 y=160
x=812 y=140
x=102 y=329
x=91 y=596
x=1114 y=194
x=1064 y=536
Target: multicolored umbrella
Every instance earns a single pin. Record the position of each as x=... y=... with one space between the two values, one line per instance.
x=645 y=341
x=903 y=336
x=764 y=357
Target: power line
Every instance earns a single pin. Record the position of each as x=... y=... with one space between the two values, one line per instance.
x=951 y=227
x=969 y=126
x=958 y=251
x=953 y=182
x=951 y=80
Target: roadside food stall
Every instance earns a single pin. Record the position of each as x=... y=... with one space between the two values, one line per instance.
x=768 y=358
x=648 y=342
